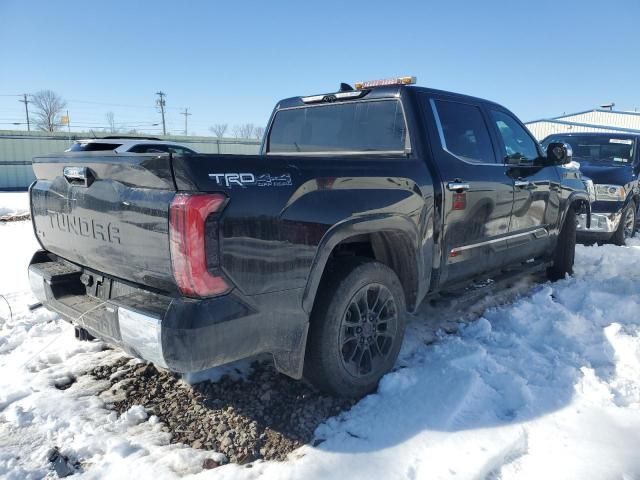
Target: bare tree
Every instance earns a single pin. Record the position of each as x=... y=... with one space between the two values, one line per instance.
x=47 y=107
x=219 y=129
x=111 y=120
x=244 y=131
x=258 y=132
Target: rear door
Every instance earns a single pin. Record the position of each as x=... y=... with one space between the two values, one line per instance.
x=477 y=192
x=537 y=194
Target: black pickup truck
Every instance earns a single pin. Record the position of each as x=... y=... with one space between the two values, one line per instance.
x=361 y=203
x=612 y=161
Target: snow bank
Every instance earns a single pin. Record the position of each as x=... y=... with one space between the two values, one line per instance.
x=14 y=203
x=545 y=387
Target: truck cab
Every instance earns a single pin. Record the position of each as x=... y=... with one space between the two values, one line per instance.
x=491 y=196
x=612 y=161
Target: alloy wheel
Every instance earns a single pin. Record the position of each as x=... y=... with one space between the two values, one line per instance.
x=368 y=329
x=629 y=223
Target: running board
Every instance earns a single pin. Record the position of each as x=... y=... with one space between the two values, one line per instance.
x=470 y=292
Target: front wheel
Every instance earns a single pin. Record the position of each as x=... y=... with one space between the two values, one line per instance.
x=357 y=327
x=565 y=252
x=627 y=227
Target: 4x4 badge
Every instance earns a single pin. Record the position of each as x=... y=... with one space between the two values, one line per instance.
x=251 y=180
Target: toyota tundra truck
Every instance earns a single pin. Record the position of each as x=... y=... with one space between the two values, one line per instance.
x=360 y=204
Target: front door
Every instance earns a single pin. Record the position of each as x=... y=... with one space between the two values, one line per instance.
x=536 y=206
x=477 y=193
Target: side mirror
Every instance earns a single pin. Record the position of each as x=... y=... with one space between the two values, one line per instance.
x=559 y=153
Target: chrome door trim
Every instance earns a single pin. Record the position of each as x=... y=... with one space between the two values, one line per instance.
x=538 y=233
x=523 y=183
x=458 y=186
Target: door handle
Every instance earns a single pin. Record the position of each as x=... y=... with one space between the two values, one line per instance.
x=458 y=186
x=78 y=176
x=525 y=184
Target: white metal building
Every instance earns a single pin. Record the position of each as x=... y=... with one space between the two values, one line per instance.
x=596 y=120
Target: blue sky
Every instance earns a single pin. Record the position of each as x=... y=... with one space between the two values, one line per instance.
x=230 y=62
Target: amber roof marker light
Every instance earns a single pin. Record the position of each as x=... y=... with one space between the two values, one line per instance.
x=385 y=82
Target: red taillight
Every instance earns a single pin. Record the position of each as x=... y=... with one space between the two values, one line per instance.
x=187 y=220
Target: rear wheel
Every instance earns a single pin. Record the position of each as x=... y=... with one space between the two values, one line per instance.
x=627 y=227
x=564 y=254
x=357 y=327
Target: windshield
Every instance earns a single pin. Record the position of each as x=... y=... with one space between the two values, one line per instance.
x=598 y=148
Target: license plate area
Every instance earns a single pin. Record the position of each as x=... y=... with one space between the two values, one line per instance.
x=97 y=286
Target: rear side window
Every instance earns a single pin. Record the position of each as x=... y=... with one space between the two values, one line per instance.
x=463 y=131
x=150 y=148
x=375 y=126
x=93 y=147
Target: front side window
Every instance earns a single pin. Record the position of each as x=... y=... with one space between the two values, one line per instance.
x=353 y=127
x=463 y=131
x=160 y=148
x=176 y=150
x=146 y=148
x=518 y=144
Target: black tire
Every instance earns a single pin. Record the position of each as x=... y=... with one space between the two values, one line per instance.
x=565 y=252
x=626 y=229
x=346 y=356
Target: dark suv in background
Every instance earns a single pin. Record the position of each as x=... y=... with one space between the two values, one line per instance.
x=124 y=144
x=612 y=162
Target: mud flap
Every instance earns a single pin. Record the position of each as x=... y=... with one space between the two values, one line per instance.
x=291 y=362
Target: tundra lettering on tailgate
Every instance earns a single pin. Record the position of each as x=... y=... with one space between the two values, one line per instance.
x=82 y=227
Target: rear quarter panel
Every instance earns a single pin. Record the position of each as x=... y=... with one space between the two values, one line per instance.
x=271 y=232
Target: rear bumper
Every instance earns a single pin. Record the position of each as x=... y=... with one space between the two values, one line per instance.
x=177 y=333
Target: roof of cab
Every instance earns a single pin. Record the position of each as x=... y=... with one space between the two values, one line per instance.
x=393 y=91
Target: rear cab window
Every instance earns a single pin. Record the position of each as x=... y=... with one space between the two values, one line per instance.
x=374 y=126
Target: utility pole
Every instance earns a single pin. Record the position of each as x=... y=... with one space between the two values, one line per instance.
x=186 y=114
x=26 y=109
x=161 y=103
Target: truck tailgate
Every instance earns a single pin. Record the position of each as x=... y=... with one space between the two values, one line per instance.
x=108 y=212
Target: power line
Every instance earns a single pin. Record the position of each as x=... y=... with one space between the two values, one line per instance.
x=186 y=114
x=161 y=103
x=124 y=105
x=26 y=109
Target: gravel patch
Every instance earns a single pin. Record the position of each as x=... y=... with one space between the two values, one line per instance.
x=15 y=218
x=266 y=415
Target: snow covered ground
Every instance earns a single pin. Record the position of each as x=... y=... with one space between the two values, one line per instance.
x=545 y=387
x=14 y=203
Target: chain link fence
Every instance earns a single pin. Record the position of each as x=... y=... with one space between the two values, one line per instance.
x=17 y=148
